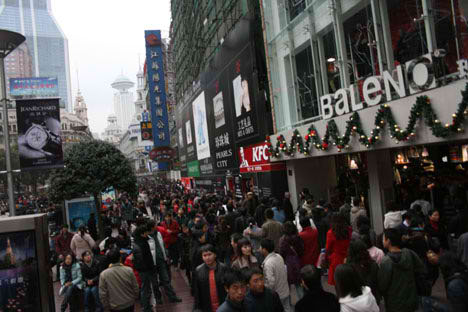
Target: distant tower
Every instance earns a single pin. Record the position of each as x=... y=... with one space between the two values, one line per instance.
x=123 y=101
x=140 y=101
x=81 y=111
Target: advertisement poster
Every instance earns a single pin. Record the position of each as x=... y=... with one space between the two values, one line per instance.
x=201 y=127
x=157 y=87
x=188 y=131
x=38 y=87
x=221 y=124
x=218 y=108
x=39 y=134
x=78 y=212
x=19 y=276
x=242 y=90
x=181 y=138
x=108 y=196
x=256 y=158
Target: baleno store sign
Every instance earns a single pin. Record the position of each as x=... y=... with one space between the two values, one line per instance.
x=419 y=77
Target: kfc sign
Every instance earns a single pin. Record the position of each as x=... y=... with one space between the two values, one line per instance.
x=256 y=158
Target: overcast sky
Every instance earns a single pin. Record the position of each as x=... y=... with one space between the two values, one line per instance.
x=105 y=38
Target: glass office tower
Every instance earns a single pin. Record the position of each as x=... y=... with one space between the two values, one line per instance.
x=45 y=52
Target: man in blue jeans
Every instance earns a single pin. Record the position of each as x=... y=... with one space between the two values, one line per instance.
x=90 y=270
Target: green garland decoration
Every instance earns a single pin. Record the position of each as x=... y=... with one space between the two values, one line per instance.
x=422 y=109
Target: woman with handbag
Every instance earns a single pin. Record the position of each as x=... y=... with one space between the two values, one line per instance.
x=292 y=249
x=338 y=239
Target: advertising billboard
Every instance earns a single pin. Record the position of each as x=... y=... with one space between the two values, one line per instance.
x=78 y=212
x=157 y=87
x=146 y=130
x=39 y=130
x=256 y=158
x=241 y=77
x=19 y=274
x=37 y=87
x=201 y=127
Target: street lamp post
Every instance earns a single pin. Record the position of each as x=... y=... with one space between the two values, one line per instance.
x=8 y=42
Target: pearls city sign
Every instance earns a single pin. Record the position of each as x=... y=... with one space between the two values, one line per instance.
x=419 y=77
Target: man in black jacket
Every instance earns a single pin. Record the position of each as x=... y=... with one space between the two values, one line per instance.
x=236 y=288
x=90 y=270
x=208 y=288
x=143 y=261
x=260 y=298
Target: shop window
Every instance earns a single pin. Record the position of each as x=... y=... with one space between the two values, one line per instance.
x=308 y=104
x=451 y=31
x=407 y=29
x=295 y=7
x=331 y=58
x=360 y=45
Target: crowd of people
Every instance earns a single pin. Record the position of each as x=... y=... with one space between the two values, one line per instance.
x=256 y=254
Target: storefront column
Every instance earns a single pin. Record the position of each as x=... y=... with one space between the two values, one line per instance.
x=379 y=166
x=316 y=174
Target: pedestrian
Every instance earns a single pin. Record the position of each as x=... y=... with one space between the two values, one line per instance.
x=198 y=240
x=338 y=239
x=162 y=268
x=354 y=295
x=271 y=229
x=255 y=240
x=246 y=259
x=81 y=242
x=172 y=228
x=292 y=249
x=260 y=211
x=287 y=207
x=236 y=289
x=275 y=273
x=314 y=295
x=356 y=212
x=393 y=218
x=90 y=270
x=398 y=274
x=185 y=242
x=118 y=287
x=309 y=236
x=436 y=229
x=71 y=282
x=232 y=254
x=250 y=204
x=278 y=212
x=241 y=222
x=62 y=246
x=462 y=248
x=259 y=297
x=143 y=262
x=92 y=226
x=375 y=253
x=362 y=263
x=208 y=282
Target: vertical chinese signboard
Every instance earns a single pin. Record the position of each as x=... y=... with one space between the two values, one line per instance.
x=157 y=87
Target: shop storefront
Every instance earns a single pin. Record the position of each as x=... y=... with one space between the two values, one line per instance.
x=357 y=84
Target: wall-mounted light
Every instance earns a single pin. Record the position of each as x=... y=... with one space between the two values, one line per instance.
x=425 y=153
x=353 y=165
x=331 y=60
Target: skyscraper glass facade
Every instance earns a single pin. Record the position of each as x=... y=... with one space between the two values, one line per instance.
x=45 y=52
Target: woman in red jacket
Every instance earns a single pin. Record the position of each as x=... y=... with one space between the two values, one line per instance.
x=338 y=239
x=173 y=229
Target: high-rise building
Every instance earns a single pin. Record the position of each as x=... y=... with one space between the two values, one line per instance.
x=123 y=101
x=45 y=51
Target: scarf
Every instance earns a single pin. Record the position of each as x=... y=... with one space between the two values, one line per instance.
x=435 y=225
x=68 y=272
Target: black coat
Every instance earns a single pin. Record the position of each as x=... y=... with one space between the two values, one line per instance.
x=201 y=286
x=91 y=272
x=268 y=301
x=288 y=210
x=321 y=301
x=230 y=306
x=142 y=256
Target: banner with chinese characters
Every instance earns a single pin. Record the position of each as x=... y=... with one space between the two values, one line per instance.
x=36 y=87
x=242 y=84
x=146 y=130
x=157 y=87
x=220 y=121
x=39 y=134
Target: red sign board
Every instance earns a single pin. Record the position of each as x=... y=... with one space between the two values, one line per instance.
x=163 y=153
x=256 y=158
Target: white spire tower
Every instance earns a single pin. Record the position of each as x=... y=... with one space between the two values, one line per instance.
x=123 y=101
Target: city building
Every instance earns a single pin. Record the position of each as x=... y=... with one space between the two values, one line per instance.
x=112 y=133
x=45 y=51
x=223 y=109
x=366 y=98
x=124 y=107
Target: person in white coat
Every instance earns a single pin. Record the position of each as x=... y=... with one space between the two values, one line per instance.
x=353 y=295
x=81 y=242
x=275 y=272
